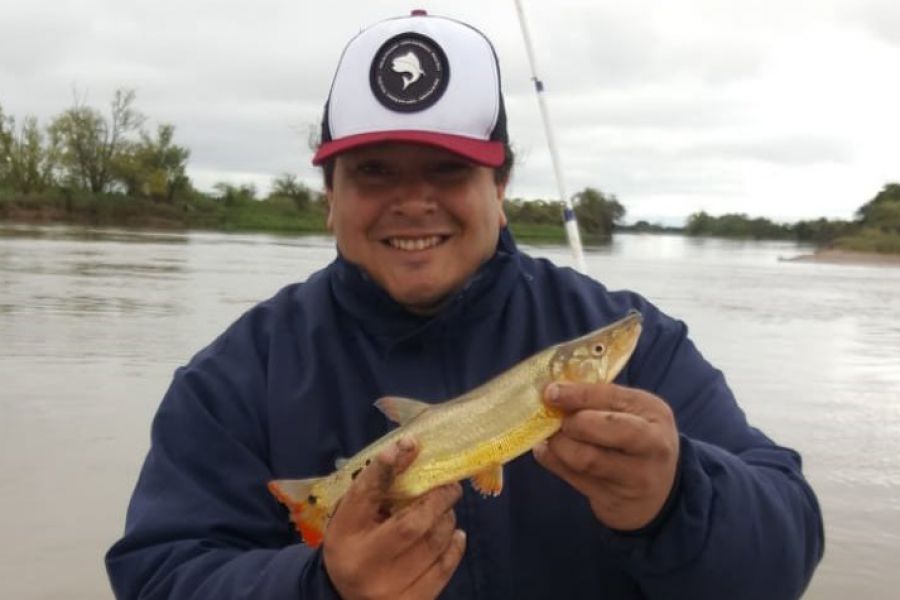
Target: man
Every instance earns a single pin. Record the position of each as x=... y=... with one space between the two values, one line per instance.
x=656 y=486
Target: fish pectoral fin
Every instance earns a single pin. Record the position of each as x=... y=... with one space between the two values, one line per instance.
x=401 y=410
x=489 y=482
x=308 y=511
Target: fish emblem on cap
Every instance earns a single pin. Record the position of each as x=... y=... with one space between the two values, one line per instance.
x=409 y=73
x=409 y=68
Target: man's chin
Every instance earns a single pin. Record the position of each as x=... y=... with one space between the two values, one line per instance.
x=422 y=302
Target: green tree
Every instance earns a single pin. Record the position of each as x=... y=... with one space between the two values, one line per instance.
x=821 y=230
x=882 y=210
x=698 y=223
x=597 y=213
x=234 y=195
x=7 y=126
x=90 y=144
x=26 y=163
x=153 y=167
x=286 y=185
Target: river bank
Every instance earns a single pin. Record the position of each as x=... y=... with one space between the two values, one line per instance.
x=847 y=257
x=286 y=216
x=273 y=215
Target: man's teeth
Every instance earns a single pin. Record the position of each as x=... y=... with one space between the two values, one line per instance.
x=411 y=244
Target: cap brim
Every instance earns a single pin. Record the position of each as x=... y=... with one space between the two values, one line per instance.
x=487 y=153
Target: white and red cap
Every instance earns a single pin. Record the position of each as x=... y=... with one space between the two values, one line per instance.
x=420 y=79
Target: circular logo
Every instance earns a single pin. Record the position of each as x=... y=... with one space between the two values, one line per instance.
x=409 y=73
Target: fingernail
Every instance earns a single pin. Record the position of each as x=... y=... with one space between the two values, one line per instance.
x=406 y=444
x=460 y=536
x=553 y=393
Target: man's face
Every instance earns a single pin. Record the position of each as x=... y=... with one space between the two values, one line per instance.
x=418 y=220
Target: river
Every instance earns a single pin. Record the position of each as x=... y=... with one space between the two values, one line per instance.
x=93 y=322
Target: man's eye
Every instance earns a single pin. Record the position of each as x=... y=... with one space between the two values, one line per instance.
x=451 y=168
x=372 y=169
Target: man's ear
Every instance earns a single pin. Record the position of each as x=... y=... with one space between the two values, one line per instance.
x=329 y=220
x=501 y=195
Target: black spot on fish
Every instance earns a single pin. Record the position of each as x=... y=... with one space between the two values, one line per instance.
x=312 y=499
x=355 y=473
x=368 y=461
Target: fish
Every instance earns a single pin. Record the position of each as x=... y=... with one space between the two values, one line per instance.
x=471 y=436
x=408 y=67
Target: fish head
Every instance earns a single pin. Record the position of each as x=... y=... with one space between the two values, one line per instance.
x=599 y=355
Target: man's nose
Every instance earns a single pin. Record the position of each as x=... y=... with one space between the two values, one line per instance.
x=414 y=196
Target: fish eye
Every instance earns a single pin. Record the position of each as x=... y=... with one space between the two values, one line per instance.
x=598 y=349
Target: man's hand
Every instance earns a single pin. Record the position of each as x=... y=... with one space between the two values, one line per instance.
x=411 y=554
x=618 y=446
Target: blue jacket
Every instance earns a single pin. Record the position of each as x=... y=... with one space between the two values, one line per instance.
x=290 y=387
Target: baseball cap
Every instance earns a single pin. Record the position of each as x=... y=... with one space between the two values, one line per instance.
x=421 y=79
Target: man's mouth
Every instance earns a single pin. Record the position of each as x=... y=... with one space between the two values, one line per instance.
x=413 y=244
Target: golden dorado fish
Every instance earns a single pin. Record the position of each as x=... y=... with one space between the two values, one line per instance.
x=470 y=436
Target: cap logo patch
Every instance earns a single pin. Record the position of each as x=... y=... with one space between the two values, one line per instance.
x=409 y=73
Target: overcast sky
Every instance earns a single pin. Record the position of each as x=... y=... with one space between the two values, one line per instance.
x=788 y=109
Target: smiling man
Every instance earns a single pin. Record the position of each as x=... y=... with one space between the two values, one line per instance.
x=655 y=487
x=417 y=219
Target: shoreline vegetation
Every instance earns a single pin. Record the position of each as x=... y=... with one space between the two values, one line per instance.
x=106 y=170
x=847 y=257
x=278 y=216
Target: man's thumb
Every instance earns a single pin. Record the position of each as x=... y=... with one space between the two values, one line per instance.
x=376 y=479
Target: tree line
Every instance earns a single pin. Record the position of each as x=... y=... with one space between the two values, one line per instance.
x=876 y=226
x=83 y=149
x=598 y=214
x=95 y=161
x=100 y=167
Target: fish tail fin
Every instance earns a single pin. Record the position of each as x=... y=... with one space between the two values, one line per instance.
x=309 y=512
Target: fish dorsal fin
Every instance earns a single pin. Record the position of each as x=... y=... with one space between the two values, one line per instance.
x=489 y=482
x=400 y=410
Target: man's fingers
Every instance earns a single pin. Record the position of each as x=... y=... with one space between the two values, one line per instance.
x=619 y=431
x=436 y=577
x=404 y=453
x=378 y=476
x=553 y=463
x=611 y=467
x=571 y=397
x=425 y=550
x=409 y=525
x=369 y=491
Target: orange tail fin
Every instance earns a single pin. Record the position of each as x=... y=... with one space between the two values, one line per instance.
x=308 y=512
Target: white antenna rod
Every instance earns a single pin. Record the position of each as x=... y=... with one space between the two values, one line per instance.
x=568 y=213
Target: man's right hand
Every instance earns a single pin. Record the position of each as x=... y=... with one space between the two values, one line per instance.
x=371 y=553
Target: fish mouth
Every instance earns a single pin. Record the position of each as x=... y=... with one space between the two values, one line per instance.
x=415 y=243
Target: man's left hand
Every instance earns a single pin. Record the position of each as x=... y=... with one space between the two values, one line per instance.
x=618 y=446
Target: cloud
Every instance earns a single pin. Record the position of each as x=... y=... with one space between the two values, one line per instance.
x=788 y=151
x=880 y=17
x=670 y=105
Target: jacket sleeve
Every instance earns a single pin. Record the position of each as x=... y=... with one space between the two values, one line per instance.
x=743 y=522
x=201 y=523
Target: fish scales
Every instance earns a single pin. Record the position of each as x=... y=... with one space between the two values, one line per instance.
x=473 y=435
x=490 y=425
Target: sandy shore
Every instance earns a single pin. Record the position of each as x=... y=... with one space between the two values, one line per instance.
x=847 y=257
